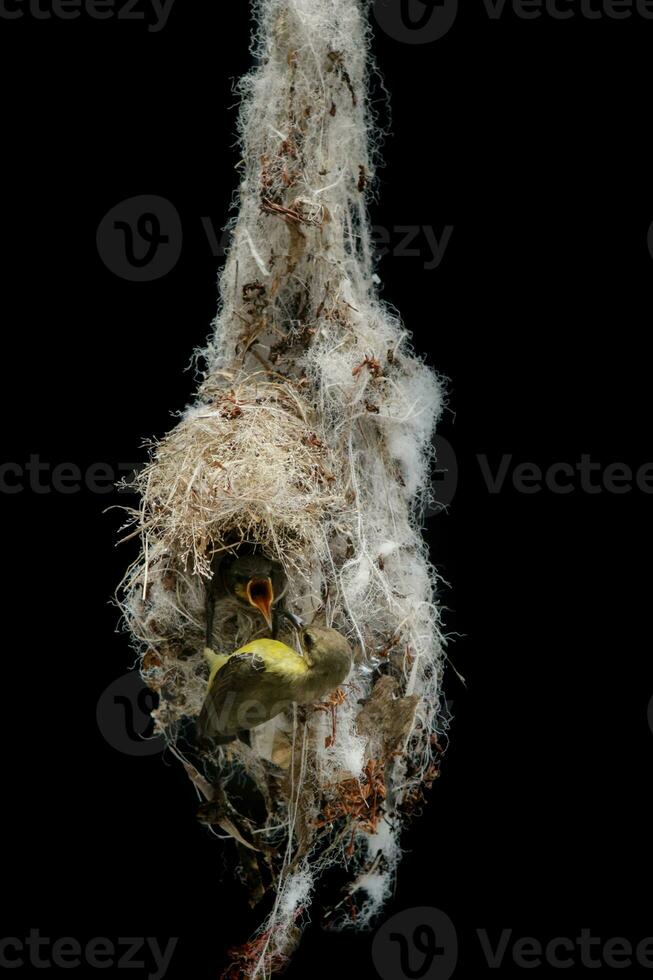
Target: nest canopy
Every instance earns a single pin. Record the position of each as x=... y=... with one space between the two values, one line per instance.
x=248 y=465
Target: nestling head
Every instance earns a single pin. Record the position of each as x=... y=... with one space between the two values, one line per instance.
x=250 y=579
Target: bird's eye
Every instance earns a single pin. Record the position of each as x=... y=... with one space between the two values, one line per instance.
x=308 y=640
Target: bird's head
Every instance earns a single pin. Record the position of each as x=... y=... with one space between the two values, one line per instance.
x=326 y=650
x=249 y=579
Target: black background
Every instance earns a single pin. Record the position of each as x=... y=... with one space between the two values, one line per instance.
x=531 y=139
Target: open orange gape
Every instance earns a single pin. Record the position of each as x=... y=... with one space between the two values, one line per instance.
x=260 y=594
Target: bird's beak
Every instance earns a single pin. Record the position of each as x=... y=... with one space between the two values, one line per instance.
x=261 y=595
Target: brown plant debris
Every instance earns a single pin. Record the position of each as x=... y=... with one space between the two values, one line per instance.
x=361 y=801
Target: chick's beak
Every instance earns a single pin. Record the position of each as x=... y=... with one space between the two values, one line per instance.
x=261 y=595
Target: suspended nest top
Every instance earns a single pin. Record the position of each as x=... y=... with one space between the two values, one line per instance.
x=249 y=464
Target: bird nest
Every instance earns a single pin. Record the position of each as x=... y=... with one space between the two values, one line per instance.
x=319 y=462
x=247 y=464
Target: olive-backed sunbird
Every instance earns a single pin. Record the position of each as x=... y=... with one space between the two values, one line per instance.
x=264 y=677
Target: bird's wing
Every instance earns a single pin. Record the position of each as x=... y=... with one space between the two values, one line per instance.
x=253 y=679
x=233 y=682
x=278 y=658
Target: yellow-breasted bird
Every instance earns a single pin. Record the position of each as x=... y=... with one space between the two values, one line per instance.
x=264 y=677
x=243 y=584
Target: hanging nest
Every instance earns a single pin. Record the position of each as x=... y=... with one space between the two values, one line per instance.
x=310 y=443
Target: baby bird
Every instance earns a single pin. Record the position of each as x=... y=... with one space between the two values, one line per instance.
x=265 y=677
x=247 y=583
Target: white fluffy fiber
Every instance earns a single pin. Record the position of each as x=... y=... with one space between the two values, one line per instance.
x=300 y=311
